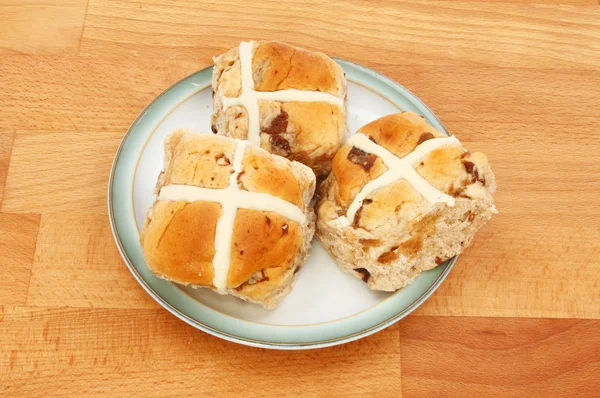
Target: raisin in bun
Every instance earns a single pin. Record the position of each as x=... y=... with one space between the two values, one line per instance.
x=402 y=198
x=230 y=217
x=290 y=101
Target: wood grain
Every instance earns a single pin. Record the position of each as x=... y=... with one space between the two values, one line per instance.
x=77 y=253
x=41 y=27
x=95 y=96
x=517 y=79
x=546 y=268
x=479 y=357
x=18 y=237
x=519 y=116
x=43 y=186
x=418 y=32
x=68 y=352
x=6 y=144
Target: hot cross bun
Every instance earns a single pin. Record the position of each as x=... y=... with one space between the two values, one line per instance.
x=290 y=101
x=402 y=198
x=230 y=217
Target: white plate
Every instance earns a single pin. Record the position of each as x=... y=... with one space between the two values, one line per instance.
x=326 y=306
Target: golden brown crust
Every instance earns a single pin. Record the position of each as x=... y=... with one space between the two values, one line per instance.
x=395 y=198
x=308 y=132
x=178 y=237
x=399 y=133
x=397 y=233
x=279 y=66
x=265 y=283
x=352 y=176
x=171 y=251
x=262 y=240
x=261 y=173
x=194 y=160
x=446 y=168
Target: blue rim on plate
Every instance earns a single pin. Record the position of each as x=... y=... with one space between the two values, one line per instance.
x=124 y=228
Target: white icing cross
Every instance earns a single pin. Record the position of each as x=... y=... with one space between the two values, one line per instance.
x=398 y=168
x=231 y=198
x=249 y=97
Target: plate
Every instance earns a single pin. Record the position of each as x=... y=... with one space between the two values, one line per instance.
x=326 y=307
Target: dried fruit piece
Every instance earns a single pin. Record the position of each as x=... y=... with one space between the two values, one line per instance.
x=424 y=137
x=278 y=124
x=360 y=157
x=364 y=274
x=280 y=144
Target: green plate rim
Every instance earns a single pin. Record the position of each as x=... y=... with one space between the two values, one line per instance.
x=247 y=332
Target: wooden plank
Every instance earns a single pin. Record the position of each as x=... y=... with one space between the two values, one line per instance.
x=93 y=96
x=508 y=125
x=74 y=352
x=481 y=357
x=517 y=79
x=507 y=271
x=38 y=27
x=543 y=2
x=77 y=264
x=6 y=143
x=71 y=175
x=549 y=183
x=536 y=257
x=420 y=32
x=18 y=235
x=526 y=266
x=523 y=106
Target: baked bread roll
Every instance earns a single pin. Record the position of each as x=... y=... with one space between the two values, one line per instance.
x=230 y=217
x=402 y=198
x=287 y=100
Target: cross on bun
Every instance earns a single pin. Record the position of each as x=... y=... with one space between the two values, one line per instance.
x=230 y=217
x=289 y=101
x=402 y=198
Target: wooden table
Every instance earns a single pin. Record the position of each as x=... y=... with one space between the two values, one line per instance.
x=516 y=79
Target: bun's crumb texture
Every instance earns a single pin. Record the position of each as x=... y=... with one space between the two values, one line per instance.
x=402 y=198
x=287 y=100
x=230 y=217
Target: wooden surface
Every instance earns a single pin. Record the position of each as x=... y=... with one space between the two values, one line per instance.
x=517 y=79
